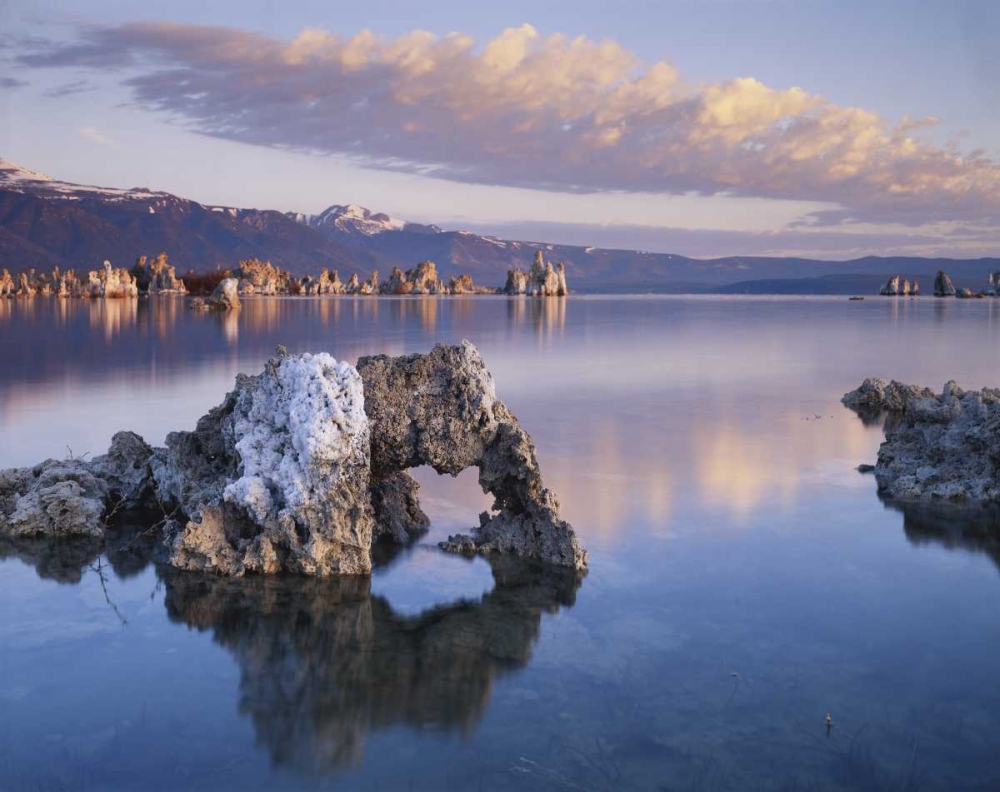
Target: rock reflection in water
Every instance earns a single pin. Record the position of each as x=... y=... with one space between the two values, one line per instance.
x=323 y=661
x=974 y=528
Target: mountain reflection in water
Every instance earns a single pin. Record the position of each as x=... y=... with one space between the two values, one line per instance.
x=323 y=661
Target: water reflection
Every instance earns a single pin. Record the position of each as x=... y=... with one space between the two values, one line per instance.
x=323 y=662
x=972 y=528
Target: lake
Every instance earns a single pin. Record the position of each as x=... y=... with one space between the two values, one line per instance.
x=745 y=580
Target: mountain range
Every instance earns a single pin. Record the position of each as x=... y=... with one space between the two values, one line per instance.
x=46 y=223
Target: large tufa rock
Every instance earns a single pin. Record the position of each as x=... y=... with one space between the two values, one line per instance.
x=276 y=478
x=943 y=286
x=71 y=497
x=441 y=410
x=290 y=473
x=6 y=284
x=992 y=288
x=937 y=446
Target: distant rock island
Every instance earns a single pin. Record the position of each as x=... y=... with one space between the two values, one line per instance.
x=944 y=286
x=254 y=277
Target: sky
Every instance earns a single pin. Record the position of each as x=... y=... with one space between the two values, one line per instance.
x=703 y=128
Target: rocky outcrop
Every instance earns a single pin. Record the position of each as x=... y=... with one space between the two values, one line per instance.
x=370 y=286
x=899 y=287
x=276 y=478
x=943 y=286
x=517 y=282
x=302 y=467
x=441 y=410
x=542 y=280
x=225 y=296
x=261 y=277
x=6 y=284
x=891 y=287
x=398 y=516
x=966 y=294
x=157 y=276
x=327 y=283
x=939 y=446
x=70 y=497
x=422 y=279
x=24 y=287
x=993 y=285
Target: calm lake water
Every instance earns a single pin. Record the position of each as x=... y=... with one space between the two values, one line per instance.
x=745 y=580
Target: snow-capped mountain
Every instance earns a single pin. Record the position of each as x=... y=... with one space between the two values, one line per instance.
x=45 y=223
x=18 y=179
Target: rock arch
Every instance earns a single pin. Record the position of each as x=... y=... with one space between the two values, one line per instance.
x=441 y=410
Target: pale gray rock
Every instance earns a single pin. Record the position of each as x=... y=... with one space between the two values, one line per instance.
x=59 y=498
x=877 y=395
x=71 y=497
x=937 y=446
x=992 y=288
x=441 y=409
x=226 y=296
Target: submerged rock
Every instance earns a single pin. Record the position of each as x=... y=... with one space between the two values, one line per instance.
x=937 y=446
x=441 y=410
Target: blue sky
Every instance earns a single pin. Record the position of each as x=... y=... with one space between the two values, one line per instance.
x=738 y=179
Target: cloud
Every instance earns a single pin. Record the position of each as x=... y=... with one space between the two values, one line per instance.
x=11 y=83
x=68 y=89
x=825 y=244
x=94 y=135
x=548 y=112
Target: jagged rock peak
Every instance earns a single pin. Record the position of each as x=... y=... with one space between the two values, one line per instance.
x=943 y=286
